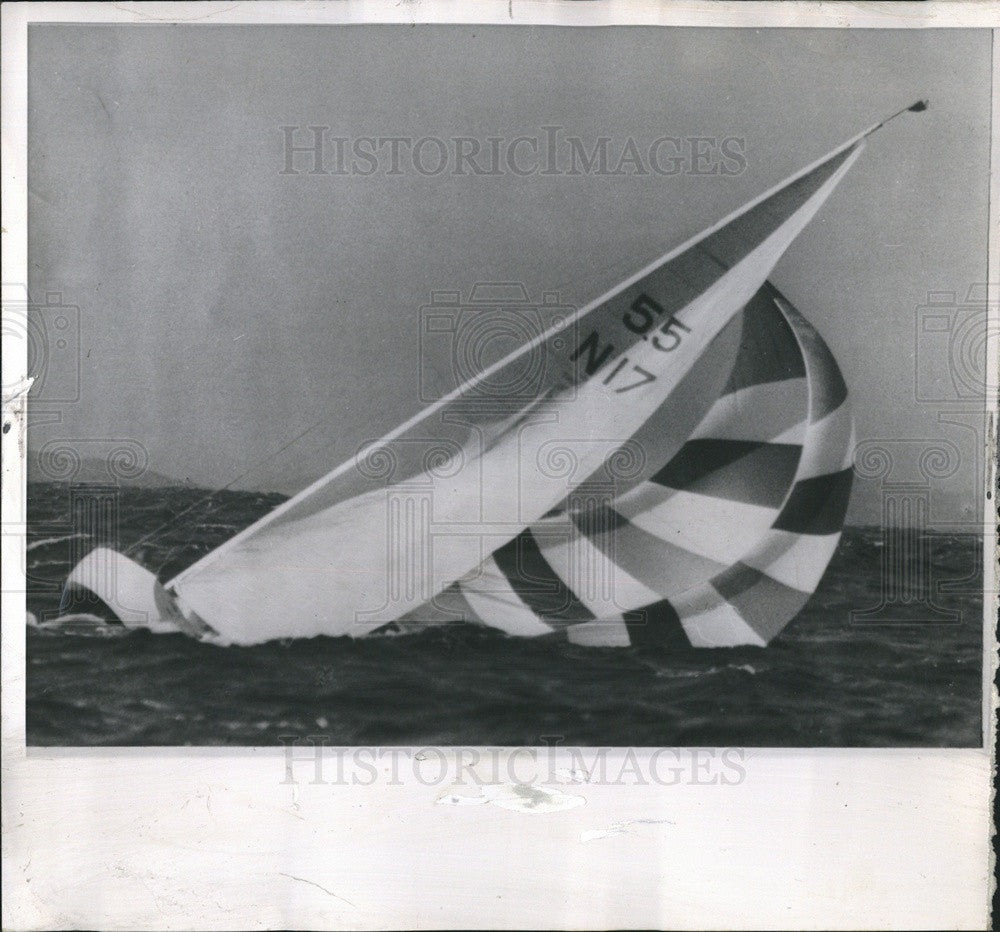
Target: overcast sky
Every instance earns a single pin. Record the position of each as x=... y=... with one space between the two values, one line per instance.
x=226 y=307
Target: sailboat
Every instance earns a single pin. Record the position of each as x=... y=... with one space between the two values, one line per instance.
x=678 y=473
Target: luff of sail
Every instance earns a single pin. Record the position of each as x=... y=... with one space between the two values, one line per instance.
x=320 y=563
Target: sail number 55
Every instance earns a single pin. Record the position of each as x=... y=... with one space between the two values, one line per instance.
x=643 y=315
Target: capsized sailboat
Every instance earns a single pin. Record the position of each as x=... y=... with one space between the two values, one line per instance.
x=679 y=471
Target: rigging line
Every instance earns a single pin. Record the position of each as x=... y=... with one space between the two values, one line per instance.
x=175 y=518
x=201 y=501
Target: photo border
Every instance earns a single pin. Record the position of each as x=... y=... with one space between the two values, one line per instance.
x=212 y=838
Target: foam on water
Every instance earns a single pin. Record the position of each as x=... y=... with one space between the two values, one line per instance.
x=826 y=681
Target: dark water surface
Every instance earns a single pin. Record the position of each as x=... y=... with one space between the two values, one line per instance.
x=826 y=681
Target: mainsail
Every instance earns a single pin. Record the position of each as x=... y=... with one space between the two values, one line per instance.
x=640 y=375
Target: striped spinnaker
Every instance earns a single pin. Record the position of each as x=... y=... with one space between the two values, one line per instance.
x=720 y=546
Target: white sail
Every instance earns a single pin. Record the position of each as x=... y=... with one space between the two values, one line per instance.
x=367 y=544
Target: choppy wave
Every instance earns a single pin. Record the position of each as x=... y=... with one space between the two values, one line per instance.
x=827 y=680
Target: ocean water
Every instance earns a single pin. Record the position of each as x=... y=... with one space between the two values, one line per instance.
x=826 y=681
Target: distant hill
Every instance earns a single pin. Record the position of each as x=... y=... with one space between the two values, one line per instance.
x=96 y=471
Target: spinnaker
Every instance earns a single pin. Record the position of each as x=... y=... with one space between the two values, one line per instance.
x=720 y=547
